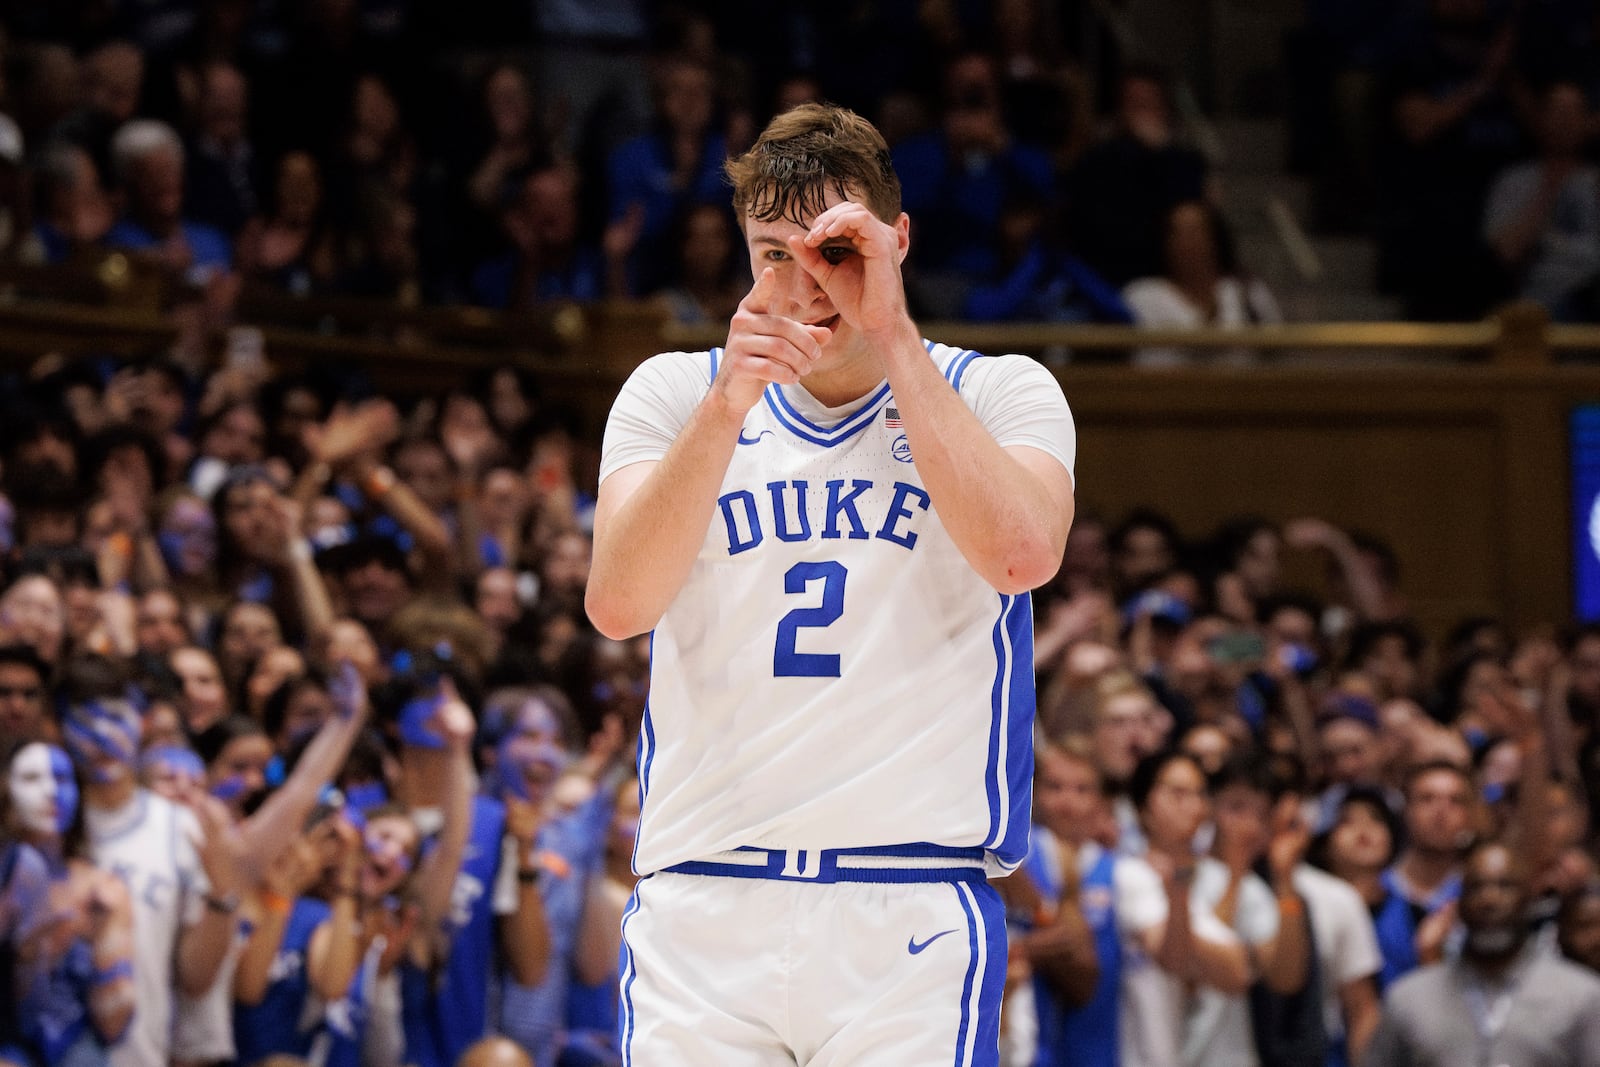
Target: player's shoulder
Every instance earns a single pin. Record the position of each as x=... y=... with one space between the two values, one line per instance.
x=671 y=378
x=966 y=368
x=698 y=367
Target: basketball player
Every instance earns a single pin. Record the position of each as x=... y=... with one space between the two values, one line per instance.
x=831 y=526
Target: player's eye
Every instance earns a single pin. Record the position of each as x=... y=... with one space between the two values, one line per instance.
x=776 y=256
x=837 y=254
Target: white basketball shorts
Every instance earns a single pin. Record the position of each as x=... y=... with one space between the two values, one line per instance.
x=892 y=957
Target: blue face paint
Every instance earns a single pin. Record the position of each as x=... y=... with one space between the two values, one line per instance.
x=96 y=732
x=229 y=789
x=179 y=761
x=416 y=722
x=523 y=758
x=66 y=789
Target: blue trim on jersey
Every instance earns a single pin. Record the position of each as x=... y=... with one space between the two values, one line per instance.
x=991 y=993
x=821 y=866
x=959 y=368
x=984 y=987
x=1008 y=775
x=716 y=357
x=839 y=428
x=966 y=985
x=853 y=424
x=630 y=971
x=997 y=694
x=1018 y=762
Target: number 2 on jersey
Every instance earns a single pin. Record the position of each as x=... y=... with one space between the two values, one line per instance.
x=786 y=662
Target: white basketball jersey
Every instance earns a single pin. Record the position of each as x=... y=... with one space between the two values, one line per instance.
x=833 y=674
x=149 y=845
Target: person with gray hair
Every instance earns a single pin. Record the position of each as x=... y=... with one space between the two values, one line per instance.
x=148 y=160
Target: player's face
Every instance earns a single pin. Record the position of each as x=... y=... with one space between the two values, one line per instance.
x=799 y=296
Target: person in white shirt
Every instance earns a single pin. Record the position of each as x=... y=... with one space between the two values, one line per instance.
x=178 y=863
x=1172 y=939
x=1201 y=286
x=1268 y=921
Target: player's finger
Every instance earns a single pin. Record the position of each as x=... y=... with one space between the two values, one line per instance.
x=820 y=334
x=782 y=352
x=759 y=298
x=796 y=333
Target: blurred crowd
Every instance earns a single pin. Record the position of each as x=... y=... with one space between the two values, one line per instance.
x=505 y=155
x=1462 y=135
x=310 y=752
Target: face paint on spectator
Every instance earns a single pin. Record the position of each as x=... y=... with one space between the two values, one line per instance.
x=390 y=842
x=364 y=796
x=103 y=736
x=43 y=791
x=171 y=771
x=416 y=722
x=530 y=766
x=536 y=719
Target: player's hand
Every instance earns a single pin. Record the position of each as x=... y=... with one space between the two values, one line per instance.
x=764 y=346
x=854 y=256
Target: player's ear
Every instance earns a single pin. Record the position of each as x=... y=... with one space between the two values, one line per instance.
x=902 y=230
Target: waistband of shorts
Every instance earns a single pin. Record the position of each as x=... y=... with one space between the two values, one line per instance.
x=885 y=865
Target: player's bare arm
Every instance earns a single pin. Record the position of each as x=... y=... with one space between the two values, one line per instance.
x=1007 y=509
x=650 y=518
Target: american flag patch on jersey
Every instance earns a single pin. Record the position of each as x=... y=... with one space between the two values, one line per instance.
x=891 y=417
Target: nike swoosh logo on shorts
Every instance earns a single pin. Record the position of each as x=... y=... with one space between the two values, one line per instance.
x=914 y=948
x=756 y=440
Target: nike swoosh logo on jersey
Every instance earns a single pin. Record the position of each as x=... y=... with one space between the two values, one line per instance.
x=914 y=948
x=756 y=440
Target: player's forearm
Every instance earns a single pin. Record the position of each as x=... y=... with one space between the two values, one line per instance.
x=646 y=540
x=1007 y=523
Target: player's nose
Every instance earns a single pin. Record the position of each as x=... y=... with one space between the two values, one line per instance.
x=803 y=291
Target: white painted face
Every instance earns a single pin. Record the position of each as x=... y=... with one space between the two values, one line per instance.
x=36 y=800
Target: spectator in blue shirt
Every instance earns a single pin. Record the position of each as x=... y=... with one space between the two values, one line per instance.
x=651 y=179
x=148 y=159
x=957 y=180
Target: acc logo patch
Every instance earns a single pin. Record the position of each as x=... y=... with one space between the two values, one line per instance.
x=901 y=449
